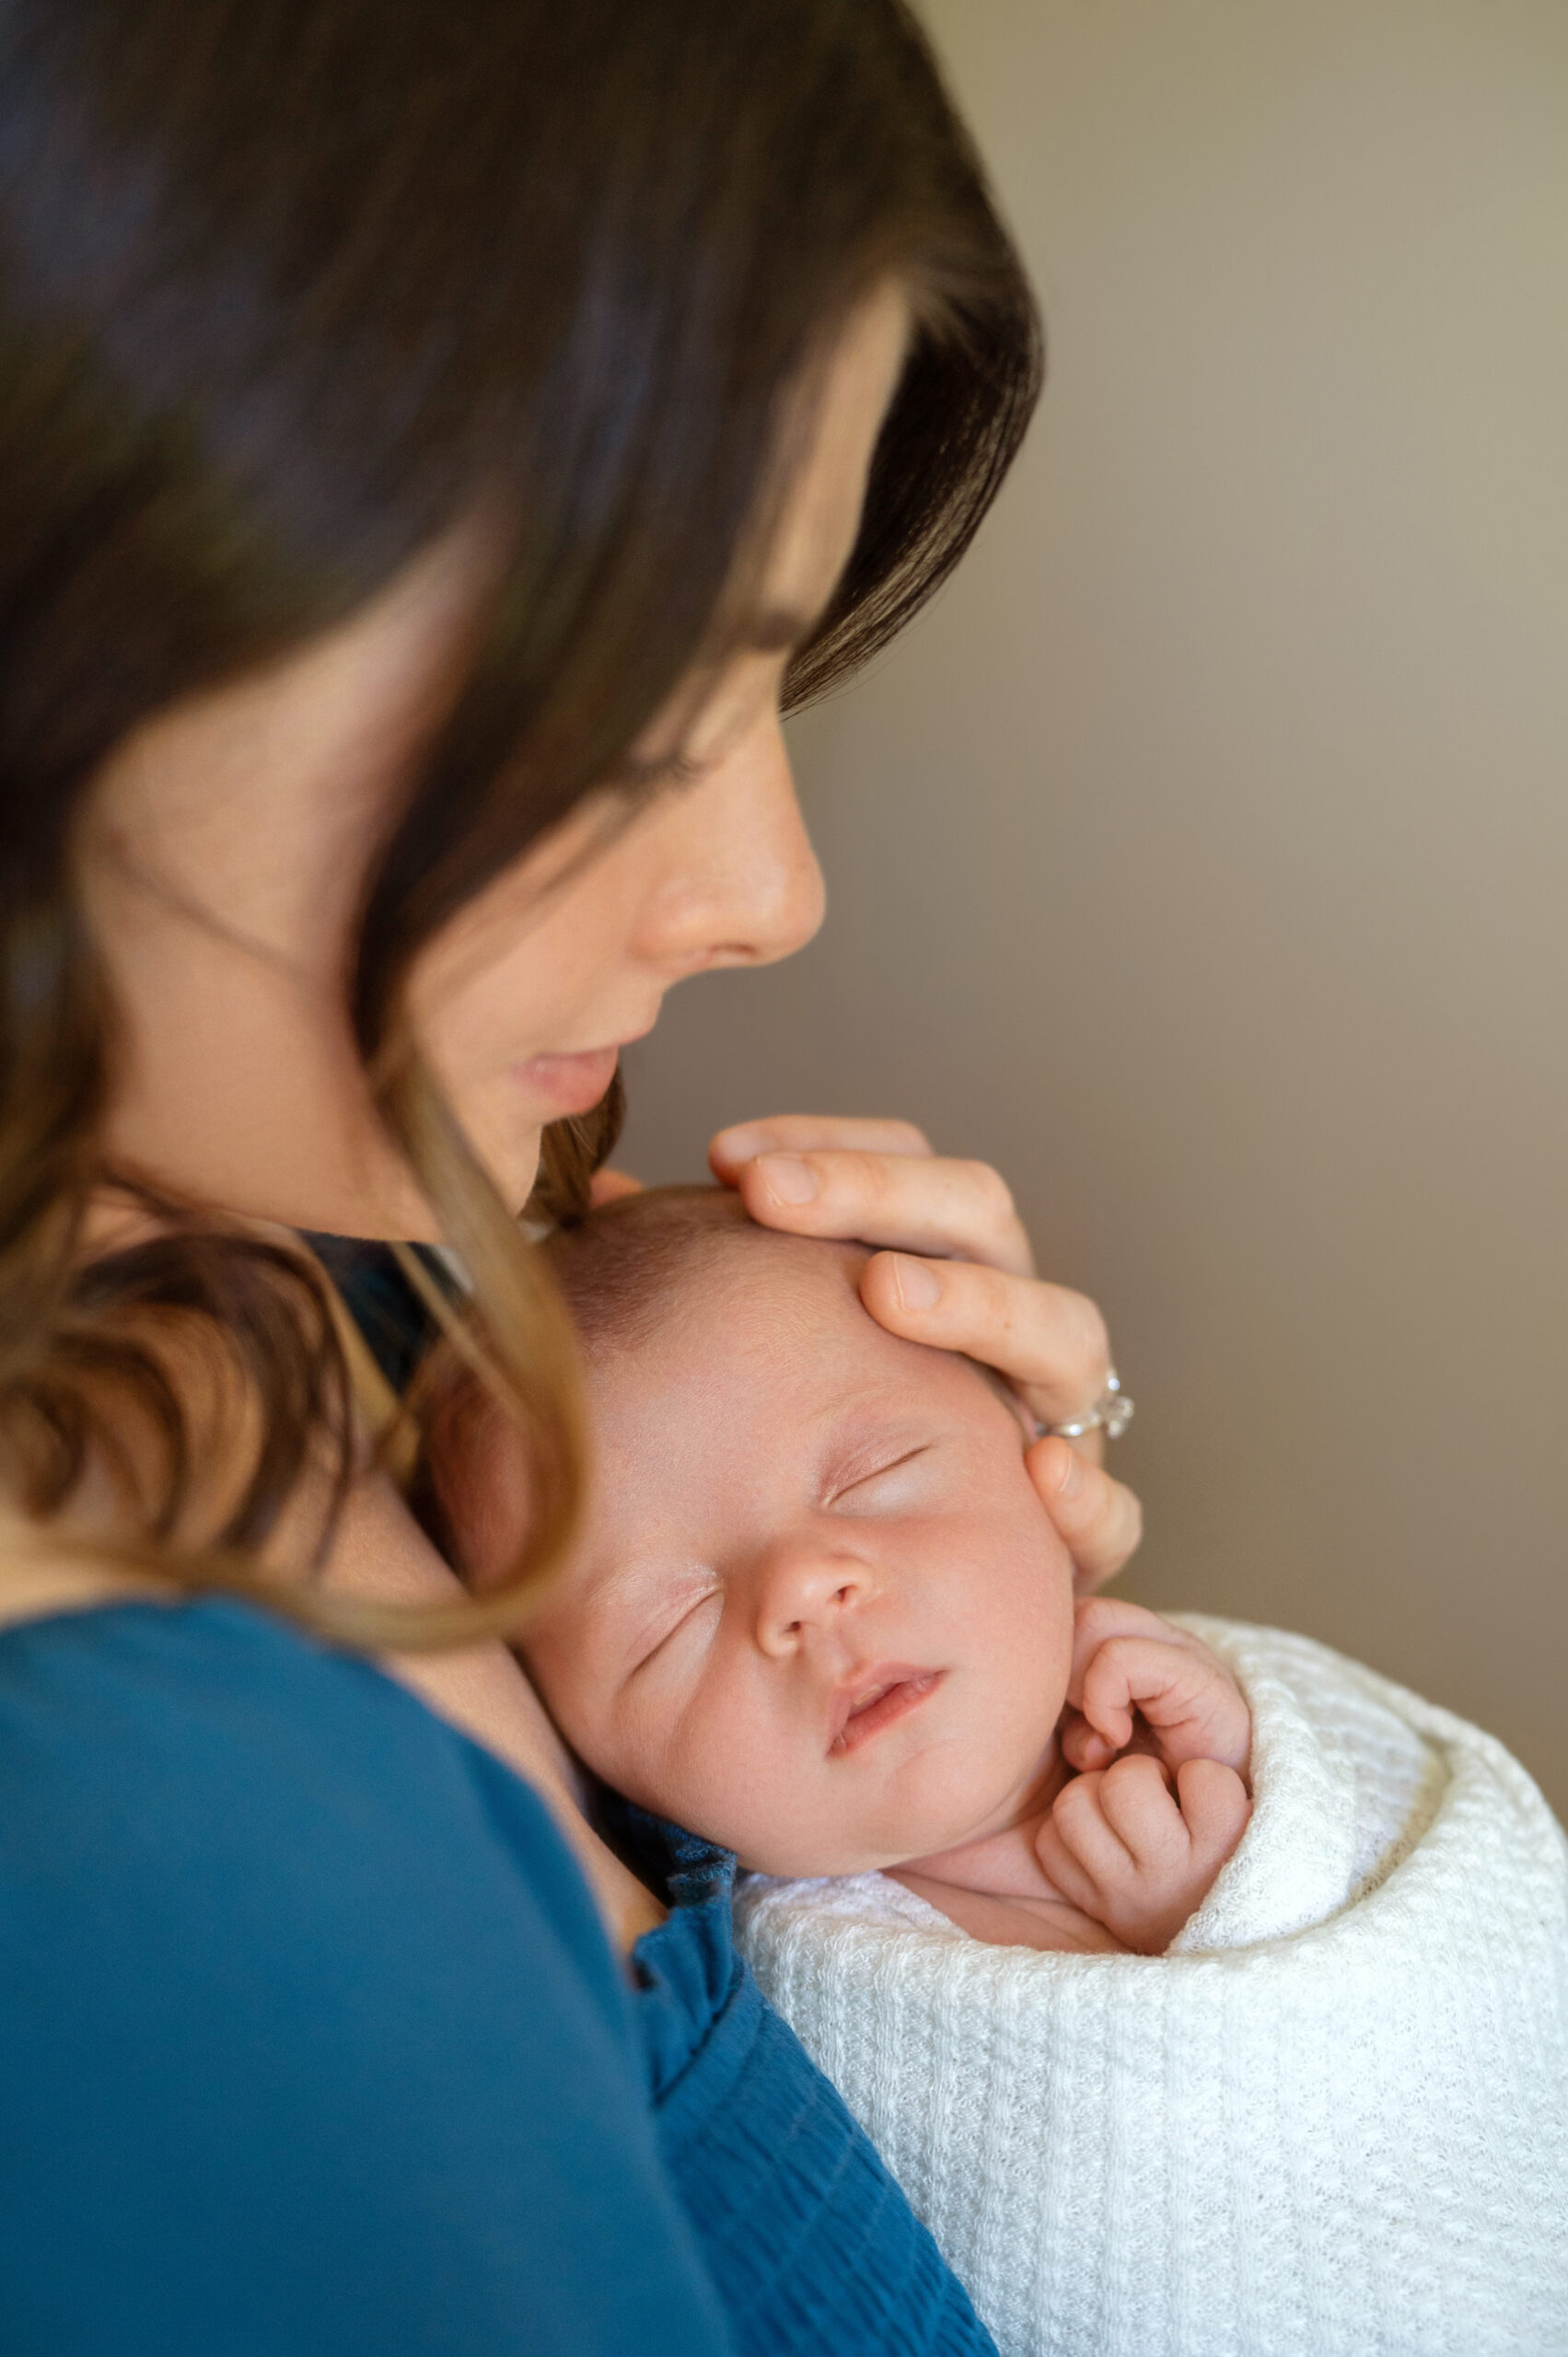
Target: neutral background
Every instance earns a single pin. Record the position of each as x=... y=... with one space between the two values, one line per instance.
x=1202 y=859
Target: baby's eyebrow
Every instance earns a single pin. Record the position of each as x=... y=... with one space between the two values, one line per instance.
x=860 y=1426
x=868 y=1398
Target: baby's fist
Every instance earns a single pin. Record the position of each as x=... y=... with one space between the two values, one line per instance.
x=1125 y=1848
x=1127 y=1664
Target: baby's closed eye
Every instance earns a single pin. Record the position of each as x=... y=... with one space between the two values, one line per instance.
x=685 y=1617
x=871 y=1483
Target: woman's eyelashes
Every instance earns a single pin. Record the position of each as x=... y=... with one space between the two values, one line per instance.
x=732 y=707
x=643 y=780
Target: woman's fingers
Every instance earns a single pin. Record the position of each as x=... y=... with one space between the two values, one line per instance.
x=1099 y=1520
x=951 y=1268
x=919 y=1203
x=808 y=1133
x=1049 y=1342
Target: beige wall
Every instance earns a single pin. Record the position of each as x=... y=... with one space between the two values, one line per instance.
x=1202 y=858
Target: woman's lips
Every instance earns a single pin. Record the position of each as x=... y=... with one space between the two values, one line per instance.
x=570 y=1084
x=878 y=1699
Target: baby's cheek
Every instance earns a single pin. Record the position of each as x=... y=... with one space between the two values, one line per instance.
x=742 y=1782
x=1020 y=1598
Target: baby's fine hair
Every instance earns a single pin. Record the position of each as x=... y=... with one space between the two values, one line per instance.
x=625 y=1266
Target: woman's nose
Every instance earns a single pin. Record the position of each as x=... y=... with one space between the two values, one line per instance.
x=738 y=883
x=807 y=1590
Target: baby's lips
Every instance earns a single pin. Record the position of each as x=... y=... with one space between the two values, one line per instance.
x=875 y=1697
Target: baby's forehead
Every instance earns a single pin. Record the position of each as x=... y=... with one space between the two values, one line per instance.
x=747 y=1292
x=784 y=1313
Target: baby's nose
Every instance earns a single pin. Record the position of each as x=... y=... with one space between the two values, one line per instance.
x=803 y=1590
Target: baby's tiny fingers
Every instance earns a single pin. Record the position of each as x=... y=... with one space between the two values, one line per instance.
x=1125 y=1672
x=1079 y=1816
x=1110 y=1680
x=1189 y=1699
x=1098 y=1620
x=1065 y=1872
x=1082 y=1746
x=1143 y=1812
x=1216 y=1807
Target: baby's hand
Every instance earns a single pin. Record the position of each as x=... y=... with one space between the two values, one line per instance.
x=1125 y=1659
x=1138 y=1836
x=1138 y=1856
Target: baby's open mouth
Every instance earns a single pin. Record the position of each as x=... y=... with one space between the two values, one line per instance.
x=891 y=1690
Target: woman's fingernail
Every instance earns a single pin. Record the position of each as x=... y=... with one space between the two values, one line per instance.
x=787 y=1179
x=1070 y=1475
x=917 y=1282
x=739 y=1145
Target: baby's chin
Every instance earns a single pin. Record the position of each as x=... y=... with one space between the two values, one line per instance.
x=819 y=1862
x=842 y=1851
x=802 y=1856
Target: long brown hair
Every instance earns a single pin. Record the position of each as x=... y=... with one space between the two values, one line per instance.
x=286 y=287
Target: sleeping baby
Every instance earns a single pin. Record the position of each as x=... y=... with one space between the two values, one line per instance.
x=820 y=1615
x=1206 y=1991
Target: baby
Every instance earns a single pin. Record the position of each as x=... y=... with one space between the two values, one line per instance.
x=820 y=1615
x=1158 y=2090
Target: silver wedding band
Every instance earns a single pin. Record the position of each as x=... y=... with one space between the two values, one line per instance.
x=1112 y=1414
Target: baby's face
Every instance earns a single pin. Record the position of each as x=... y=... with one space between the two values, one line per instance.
x=818 y=1613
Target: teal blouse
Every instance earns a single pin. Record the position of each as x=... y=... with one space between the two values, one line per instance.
x=311 y=2041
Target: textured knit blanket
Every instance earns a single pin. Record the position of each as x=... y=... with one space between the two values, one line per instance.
x=1331 y=2119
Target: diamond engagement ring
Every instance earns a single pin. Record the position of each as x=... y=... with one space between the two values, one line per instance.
x=1112 y=1414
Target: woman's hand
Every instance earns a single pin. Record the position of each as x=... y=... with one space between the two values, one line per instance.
x=952 y=1268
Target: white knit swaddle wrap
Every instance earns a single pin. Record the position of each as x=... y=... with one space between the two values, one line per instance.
x=1331 y=2119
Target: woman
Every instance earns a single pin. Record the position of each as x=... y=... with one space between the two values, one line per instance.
x=437 y=437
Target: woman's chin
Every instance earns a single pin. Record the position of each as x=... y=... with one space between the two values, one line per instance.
x=509 y=1156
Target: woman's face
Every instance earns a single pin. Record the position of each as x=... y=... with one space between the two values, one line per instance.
x=225 y=845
